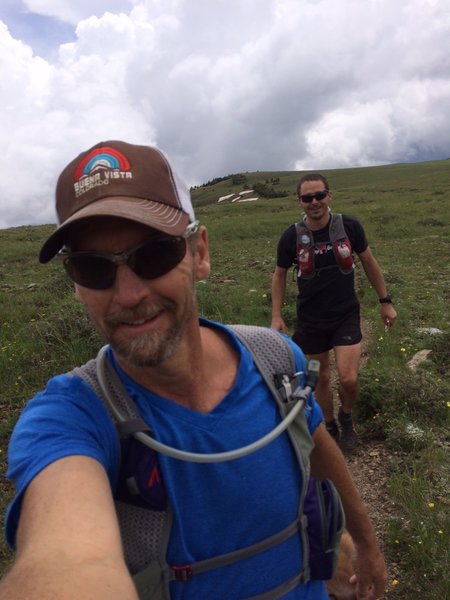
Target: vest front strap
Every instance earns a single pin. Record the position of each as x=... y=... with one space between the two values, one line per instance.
x=185 y=572
x=281 y=589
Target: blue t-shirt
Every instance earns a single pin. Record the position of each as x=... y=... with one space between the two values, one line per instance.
x=217 y=507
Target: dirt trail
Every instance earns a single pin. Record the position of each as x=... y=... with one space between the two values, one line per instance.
x=369 y=466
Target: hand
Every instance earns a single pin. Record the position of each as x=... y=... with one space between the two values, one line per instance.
x=388 y=315
x=278 y=324
x=371 y=575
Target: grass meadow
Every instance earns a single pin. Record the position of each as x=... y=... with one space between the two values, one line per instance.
x=405 y=210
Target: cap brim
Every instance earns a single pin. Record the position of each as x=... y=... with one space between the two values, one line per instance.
x=164 y=218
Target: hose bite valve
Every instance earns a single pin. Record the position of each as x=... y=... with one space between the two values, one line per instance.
x=312 y=373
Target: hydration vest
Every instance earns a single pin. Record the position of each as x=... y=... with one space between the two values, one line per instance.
x=305 y=250
x=145 y=522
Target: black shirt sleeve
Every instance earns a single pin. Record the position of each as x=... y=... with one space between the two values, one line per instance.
x=286 y=249
x=356 y=234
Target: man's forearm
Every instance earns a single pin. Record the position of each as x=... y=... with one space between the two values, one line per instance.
x=376 y=279
x=68 y=539
x=278 y=292
x=33 y=580
x=374 y=273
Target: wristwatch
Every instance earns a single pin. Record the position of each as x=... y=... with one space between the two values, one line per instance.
x=386 y=300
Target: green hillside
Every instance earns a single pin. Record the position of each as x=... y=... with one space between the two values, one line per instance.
x=405 y=210
x=409 y=177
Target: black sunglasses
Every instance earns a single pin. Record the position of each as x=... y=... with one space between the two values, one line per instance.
x=317 y=196
x=149 y=260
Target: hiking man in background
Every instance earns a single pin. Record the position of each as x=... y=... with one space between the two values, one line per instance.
x=321 y=248
x=95 y=517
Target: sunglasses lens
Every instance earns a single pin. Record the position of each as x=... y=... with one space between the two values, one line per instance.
x=150 y=260
x=310 y=197
x=93 y=272
x=157 y=257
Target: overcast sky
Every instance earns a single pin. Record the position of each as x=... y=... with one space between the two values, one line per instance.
x=222 y=86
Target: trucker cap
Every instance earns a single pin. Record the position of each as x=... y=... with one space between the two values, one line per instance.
x=123 y=180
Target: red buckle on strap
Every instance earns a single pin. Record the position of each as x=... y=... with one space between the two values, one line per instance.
x=182 y=573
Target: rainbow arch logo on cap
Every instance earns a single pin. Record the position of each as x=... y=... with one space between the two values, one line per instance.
x=105 y=158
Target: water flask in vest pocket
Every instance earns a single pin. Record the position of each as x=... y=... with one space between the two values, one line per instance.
x=343 y=251
x=305 y=260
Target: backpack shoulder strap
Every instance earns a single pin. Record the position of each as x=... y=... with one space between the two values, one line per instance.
x=274 y=359
x=321 y=515
x=337 y=231
x=273 y=356
x=141 y=528
x=342 y=247
x=304 y=250
x=117 y=396
x=304 y=235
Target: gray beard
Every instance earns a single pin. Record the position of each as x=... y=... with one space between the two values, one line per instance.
x=148 y=349
x=153 y=348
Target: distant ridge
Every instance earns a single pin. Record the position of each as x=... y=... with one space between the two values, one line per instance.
x=342 y=180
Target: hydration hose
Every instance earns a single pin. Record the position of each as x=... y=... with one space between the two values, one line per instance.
x=300 y=394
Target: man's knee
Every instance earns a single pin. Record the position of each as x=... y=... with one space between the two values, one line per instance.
x=349 y=382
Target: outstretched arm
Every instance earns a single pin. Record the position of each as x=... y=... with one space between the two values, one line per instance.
x=327 y=462
x=278 y=293
x=68 y=540
x=376 y=278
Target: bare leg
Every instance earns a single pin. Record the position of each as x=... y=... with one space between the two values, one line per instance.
x=347 y=365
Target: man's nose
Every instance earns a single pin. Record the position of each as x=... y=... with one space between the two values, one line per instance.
x=129 y=288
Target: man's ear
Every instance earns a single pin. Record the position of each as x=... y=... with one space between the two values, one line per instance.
x=201 y=255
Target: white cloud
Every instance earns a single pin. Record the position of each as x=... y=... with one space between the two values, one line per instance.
x=225 y=86
x=72 y=11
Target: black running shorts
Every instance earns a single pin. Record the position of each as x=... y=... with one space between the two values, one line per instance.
x=319 y=338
